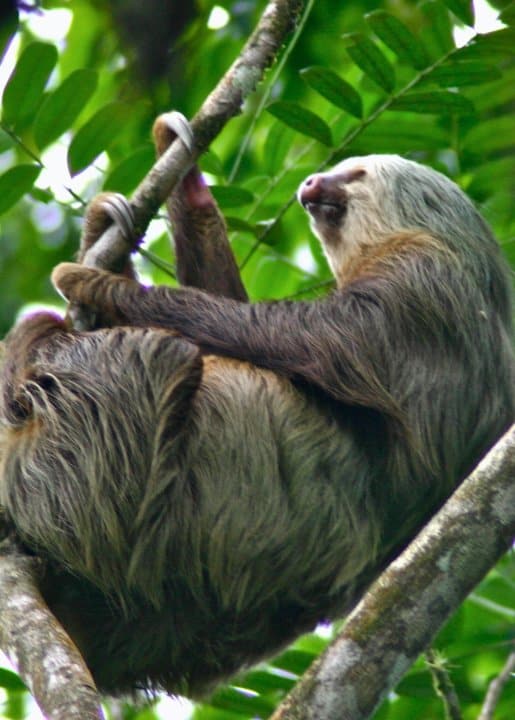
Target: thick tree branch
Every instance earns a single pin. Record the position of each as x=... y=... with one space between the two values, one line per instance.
x=37 y=645
x=410 y=601
x=222 y=104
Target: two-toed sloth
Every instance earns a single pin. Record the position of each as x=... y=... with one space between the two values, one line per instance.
x=208 y=478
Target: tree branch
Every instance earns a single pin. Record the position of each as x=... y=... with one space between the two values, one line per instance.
x=37 y=645
x=224 y=103
x=443 y=685
x=410 y=601
x=496 y=687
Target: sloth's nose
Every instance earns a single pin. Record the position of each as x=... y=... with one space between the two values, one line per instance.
x=311 y=189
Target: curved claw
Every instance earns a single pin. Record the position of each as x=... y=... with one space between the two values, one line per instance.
x=120 y=211
x=180 y=126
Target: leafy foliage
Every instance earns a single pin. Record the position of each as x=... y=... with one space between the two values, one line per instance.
x=358 y=79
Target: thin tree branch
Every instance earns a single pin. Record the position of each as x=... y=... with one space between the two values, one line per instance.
x=410 y=601
x=443 y=685
x=496 y=687
x=224 y=103
x=266 y=95
x=36 y=644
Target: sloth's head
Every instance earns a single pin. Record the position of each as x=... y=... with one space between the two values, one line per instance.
x=363 y=200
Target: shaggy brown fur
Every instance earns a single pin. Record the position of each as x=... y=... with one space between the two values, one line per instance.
x=201 y=510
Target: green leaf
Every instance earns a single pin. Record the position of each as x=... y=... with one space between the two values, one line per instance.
x=6 y=141
x=265 y=683
x=230 y=196
x=499 y=43
x=399 y=38
x=42 y=195
x=124 y=177
x=438 y=102
x=282 y=192
x=60 y=108
x=277 y=144
x=211 y=163
x=464 y=72
x=371 y=60
x=507 y=16
x=96 y=135
x=493 y=175
x=302 y=120
x=205 y=712
x=397 y=133
x=416 y=684
x=463 y=9
x=235 y=224
x=234 y=700
x=294 y=661
x=10 y=681
x=15 y=183
x=493 y=98
x=26 y=84
x=331 y=86
x=438 y=35
x=491 y=135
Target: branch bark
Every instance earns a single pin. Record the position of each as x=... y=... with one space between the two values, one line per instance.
x=410 y=601
x=37 y=645
x=496 y=687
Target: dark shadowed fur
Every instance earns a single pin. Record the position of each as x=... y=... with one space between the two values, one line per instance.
x=201 y=510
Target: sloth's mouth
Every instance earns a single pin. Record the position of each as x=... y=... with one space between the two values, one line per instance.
x=324 y=199
x=325 y=210
x=321 y=205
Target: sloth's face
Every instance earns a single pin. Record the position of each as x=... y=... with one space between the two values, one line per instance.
x=325 y=196
x=363 y=200
x=346 y=207
x=358 y=192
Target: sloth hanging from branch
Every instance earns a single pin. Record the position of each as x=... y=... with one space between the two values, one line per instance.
x=205 y=478
x=209 y=478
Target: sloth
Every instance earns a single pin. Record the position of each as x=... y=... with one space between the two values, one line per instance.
x=207 y=478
